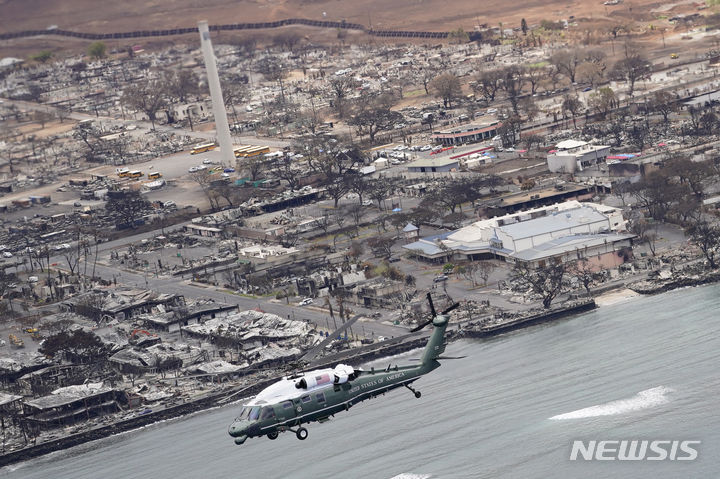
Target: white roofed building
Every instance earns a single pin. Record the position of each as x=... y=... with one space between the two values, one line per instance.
x=564 y=231
x=570 y=156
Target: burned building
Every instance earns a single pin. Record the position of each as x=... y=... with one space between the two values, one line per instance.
x=121 y=304
x=69 y=405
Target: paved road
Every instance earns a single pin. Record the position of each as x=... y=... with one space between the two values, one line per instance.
x=183 y=286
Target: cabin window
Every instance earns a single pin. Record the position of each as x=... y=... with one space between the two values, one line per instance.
x=305 y=399
x=287 y=405
x=254 y=413
x=268 y=413
x=320 y=397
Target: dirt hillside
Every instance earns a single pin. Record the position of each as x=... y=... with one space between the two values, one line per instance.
x=429 y=15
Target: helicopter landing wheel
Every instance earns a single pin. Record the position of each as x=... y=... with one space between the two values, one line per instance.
x=301 y=433
x=273 y=435
x=416 y=393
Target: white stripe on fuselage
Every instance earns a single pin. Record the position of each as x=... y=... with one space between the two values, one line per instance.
x=369 y=393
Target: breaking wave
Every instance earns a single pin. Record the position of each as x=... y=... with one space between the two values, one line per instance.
x=409 y=475
x=642 y=400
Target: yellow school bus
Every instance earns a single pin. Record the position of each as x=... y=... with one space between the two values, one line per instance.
x=135 y=174
x=122 y=172
x=256 y=151
x=202 y=148
x=240 y=150
x=154 y=175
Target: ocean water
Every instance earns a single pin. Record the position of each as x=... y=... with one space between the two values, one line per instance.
x=644 y=368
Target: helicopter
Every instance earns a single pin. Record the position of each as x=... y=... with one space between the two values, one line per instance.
x=318 y=395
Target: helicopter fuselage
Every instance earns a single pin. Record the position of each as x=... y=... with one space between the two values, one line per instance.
x=318 y=403
x=320 y=394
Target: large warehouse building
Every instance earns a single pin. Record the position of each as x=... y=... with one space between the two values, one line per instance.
x=561 y=232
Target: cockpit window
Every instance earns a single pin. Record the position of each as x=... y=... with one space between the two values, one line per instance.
x=254 y=413
x=243 y=414
x=268 y=412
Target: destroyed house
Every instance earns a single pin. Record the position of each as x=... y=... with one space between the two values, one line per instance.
x=51 y=377
x=172 y=322
x=10 y=404
x=249 y=329
x=121 y=304
x=69 y=405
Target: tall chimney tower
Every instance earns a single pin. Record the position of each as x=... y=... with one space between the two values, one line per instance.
x=221 y=123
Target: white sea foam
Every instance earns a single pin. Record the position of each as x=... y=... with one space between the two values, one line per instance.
x=410 y=475
x=642 y=400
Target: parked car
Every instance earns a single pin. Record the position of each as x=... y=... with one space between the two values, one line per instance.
x=207 y=161
x=440 y=278
x=306 y=301
x=193 y=169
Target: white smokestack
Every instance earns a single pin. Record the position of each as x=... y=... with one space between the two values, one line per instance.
x=221 y=123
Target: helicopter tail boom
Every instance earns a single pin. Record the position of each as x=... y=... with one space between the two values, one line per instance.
x=436 y=344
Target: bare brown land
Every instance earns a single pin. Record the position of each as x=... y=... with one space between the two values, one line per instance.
x=430 y=15
x=595 y=20
x=426 y=15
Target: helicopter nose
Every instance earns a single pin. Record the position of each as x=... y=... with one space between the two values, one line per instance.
x=236 y=429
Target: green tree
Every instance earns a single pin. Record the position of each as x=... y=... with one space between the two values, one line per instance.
x=42 y=56
x=97 y=50
x=459 y=36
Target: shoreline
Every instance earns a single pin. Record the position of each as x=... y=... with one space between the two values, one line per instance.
x=399 y=345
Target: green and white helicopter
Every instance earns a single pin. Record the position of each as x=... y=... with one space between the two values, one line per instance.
x=318 y=395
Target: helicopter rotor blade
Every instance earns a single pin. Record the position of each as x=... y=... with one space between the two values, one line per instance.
x=432 y=306
x=227 y=398
x=434 y=313
x=419 y=327
x=454 y=306
x=310 y=355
